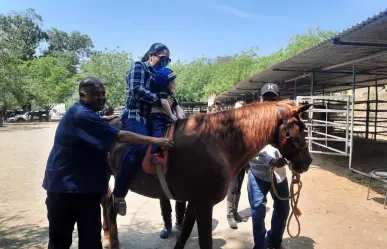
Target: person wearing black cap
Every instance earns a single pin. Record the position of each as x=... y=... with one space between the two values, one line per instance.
x=76 y=175
x=259 y=185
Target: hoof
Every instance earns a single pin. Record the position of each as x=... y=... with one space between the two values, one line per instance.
x=106 y=235
x=231 y=222
x=178 y=230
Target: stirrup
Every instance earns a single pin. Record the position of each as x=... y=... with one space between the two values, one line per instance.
x=119 y=205
x=157 y=159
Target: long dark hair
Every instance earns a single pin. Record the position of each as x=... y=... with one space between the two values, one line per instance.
x=156 y=48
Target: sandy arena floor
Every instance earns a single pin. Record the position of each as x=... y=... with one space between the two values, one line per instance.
x=336 y=214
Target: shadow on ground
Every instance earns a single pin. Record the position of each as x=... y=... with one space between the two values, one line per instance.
x=21 y=236
x=145 y=235
x=301 y=242
x=368 y=155
x=246 y=213
x=21 y=128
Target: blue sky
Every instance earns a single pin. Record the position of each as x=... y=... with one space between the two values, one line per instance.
x=197 y=28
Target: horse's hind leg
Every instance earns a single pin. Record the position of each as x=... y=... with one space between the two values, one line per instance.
x=105 y=224
x=104 y=203
x=203 y=214
x=188 y=223
x=112 y=224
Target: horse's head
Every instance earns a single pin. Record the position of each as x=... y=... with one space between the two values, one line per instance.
x=291 y=140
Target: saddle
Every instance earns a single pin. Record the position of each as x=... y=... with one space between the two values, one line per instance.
x=151 y=168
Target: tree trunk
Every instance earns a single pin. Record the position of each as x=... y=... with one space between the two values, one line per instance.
x=3 y=116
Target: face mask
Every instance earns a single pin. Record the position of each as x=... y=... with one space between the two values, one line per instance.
x=159 y=66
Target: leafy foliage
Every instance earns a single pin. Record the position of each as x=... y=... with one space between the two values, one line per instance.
x=110 y=67
x=21 y=33
x=50 y=77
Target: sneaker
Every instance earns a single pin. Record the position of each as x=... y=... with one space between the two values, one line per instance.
x=164 y=234
x=119 y=205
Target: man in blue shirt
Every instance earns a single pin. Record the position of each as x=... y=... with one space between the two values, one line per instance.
x=76 y=175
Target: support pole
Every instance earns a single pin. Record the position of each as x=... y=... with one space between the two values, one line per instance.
x=368 y=113
x=295 y=90
x=352 y=114
x=311 y=116
x=376 y=108
x=312 y=79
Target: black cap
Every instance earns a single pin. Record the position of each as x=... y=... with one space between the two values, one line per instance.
x=270 y=87
x=90 y=81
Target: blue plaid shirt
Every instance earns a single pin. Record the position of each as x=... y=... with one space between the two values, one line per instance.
x=139 y=98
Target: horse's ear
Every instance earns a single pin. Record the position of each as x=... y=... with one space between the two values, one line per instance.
x=302 y=108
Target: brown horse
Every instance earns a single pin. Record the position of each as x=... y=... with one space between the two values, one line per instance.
x=210 y=149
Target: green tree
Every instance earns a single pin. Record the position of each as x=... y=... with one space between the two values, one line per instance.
x=21 y=33
x=201 y=77
x=76 y=42
x=110 y=67
x=48 y=81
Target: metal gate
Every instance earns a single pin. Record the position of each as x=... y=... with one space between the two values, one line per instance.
x=329 y=124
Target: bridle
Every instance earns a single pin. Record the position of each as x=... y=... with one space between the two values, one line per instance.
x=288 y=140
x=294 y=195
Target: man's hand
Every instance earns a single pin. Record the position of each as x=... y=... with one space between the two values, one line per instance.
x=174 y=118
x=170 y=100
x=163 y=142
x=278 y=162
x=110 y=117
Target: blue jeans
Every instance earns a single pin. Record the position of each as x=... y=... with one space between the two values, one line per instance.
x=157 y=123
x=257 y=191
x=132 y=160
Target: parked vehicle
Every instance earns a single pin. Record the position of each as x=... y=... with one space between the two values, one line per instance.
x=19 y=117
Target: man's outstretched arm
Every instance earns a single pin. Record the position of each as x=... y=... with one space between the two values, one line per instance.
x=134 y=138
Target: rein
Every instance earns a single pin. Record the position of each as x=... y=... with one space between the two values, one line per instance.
x=294 y=195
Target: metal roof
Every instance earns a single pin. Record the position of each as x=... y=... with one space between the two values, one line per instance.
x=330 y=62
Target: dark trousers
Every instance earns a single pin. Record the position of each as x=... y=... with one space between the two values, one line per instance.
x=131 y=162
x=258 y=190
x=157 y=123
x=166 y=212
x=64 y=210
x=234 y=193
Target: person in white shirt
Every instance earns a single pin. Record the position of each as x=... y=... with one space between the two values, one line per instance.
x=259 y=185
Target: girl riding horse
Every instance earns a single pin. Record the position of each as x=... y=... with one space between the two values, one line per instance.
x=139 y=101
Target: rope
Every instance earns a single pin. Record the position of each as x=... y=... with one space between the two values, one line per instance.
x=294 y=197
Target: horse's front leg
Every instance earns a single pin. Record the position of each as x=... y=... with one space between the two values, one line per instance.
x=203 y=214
x=188 y=223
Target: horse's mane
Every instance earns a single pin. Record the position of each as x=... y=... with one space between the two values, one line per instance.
x=241 y=128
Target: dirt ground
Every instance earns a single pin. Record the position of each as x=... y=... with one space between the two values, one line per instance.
x=336 y=214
